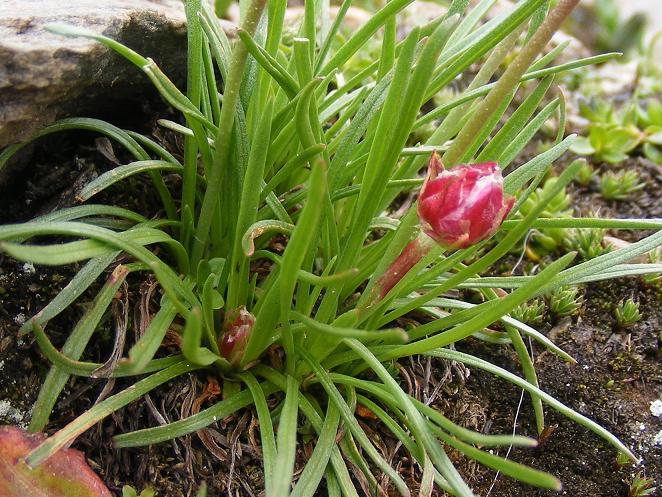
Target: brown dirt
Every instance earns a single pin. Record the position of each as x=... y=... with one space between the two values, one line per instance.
x=614 y=382
x=641 y=204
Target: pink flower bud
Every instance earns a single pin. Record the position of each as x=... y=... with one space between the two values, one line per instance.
x=464 y=205
x=237 y=328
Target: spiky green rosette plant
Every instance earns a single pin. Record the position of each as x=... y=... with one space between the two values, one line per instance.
x=287 y=145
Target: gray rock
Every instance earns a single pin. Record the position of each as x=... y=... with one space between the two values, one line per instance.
x=44 y=76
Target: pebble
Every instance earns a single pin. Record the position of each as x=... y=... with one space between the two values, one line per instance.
x=656 y=408
x=28 y=268
x=9 y=412
x=19 y=319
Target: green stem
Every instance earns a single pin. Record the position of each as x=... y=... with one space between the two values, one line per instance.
x=189 y=176
x=221 y=153
x=508 y=81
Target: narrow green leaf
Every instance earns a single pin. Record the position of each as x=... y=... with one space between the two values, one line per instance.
x=204 y=418
x=167 y=277
x=517 y=143
x=480 y=321
x=313 y=279
x=294 y=164
x=378 y=390
x=249 y=200
x=363 y=34
x=67 y=253
x=74 y=289
x=88 y=210
x=78 y=368
x=271 y=65
x=74 y=346
x=604 y=262
x=309 y=480
x=269 y=453
x=95 y=414
x=527 y=330
x=388 y=336
x=119 y=173
x=510 y=468
x=525 y=385
x=191 y=337
x=352 y=424
x=515 y=122
x=417 y=423
x=281 y=481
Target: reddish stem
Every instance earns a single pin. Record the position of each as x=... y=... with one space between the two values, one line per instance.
x=412 y=253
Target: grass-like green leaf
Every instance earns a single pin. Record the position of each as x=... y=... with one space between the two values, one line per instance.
x=387 y=336
x=74 y=347
x=79 y=368
x=352 y=424
x=417 y=423
x=95 y=414
x=548 y=399
x=122 y=172
x=269 y=453
x=218 y=411
x=287 y=442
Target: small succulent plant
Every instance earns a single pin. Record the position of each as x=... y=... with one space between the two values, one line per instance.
x=627 y=313
x=585 y=174
x=609 y=29
x=611 y=134
x=621 y=459
x=641 y=486
x=548 y=239
x=608 y=142
x=654 y=257
x=588 y=242
x=565 y=301
x=129 y=491
x=650 y=121
x=620 y=185
x=531 y=312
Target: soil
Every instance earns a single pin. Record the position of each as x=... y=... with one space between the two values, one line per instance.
x=644 y=203
x=614 y=382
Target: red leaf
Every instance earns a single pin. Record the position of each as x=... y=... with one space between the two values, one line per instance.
x=65 y=474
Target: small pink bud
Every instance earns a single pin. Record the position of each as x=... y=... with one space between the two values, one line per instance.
x=236 y=331
x=464 y=205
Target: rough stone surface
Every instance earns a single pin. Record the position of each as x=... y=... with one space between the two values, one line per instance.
x=44 y=76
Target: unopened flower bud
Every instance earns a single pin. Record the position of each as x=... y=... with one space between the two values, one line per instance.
x=237 y=327
x=464 y=205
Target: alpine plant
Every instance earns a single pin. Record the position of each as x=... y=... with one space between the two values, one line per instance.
x=290 y=244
